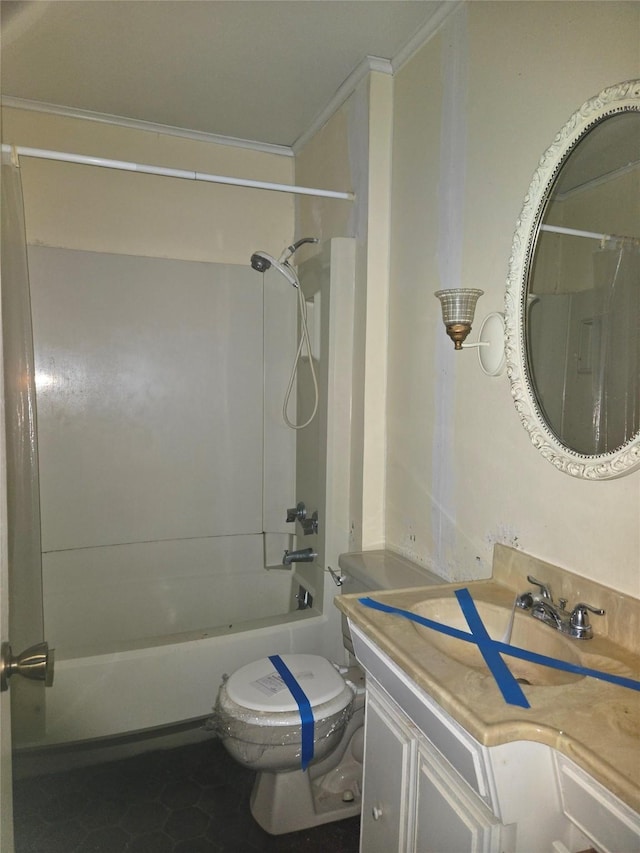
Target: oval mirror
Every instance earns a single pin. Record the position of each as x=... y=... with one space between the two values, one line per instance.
x=572 y=306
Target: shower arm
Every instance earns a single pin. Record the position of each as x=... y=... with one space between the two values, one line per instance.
x=284 y=257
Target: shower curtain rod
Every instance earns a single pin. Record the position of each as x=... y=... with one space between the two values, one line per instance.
x=186 y=174
x=594 y=235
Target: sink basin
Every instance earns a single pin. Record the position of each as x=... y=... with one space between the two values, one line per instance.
x=527 y=633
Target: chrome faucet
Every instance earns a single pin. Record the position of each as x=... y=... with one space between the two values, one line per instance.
x=574 y=623
x=304 y=555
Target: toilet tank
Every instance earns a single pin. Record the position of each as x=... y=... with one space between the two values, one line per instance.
x=366 y=571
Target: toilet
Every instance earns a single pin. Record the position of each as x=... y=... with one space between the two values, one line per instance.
x=259 y=720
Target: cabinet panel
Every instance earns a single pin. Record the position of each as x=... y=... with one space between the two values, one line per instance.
x=607 y=821
x=449 y=817
x=388 y=770
x=460 y=749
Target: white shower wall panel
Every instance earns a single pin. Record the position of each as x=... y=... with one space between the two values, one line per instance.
x=149 y=382
x=103 y=599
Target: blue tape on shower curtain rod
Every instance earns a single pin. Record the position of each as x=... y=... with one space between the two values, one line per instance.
x=304 y=706
x=496 y=645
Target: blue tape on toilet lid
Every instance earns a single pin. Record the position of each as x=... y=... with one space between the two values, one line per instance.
x=307 y=721
x=258 y=687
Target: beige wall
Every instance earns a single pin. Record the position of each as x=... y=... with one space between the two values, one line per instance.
x=493 y=87
x=101 y=210
x=449 y=471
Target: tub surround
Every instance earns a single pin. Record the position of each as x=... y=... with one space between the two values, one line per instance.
x=594 y=723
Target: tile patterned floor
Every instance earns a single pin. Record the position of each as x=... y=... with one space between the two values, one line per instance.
x=191 y=799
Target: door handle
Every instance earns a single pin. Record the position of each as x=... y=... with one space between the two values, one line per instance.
x=35 y=663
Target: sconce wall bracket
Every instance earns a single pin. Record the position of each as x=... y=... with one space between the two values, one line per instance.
x=490 y=345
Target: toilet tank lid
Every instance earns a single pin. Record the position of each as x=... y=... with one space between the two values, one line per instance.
x=384 y=569
x=259 y=687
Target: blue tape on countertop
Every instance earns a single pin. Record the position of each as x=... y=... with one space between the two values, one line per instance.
x=505 y=679
x=495 y=645
x=304 y=706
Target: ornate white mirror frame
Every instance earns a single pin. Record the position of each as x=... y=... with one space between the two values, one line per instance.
x=611 y=101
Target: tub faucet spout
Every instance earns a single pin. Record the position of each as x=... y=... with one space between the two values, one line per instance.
x=304 y=555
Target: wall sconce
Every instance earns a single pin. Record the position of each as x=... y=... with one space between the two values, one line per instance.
x=458 y=308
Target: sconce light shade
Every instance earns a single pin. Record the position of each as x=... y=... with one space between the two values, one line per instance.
x=458 y=308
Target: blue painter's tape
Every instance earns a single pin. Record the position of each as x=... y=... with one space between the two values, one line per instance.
x=505 y=680
x=504 y=648
x=304 y=706
x=556 y=663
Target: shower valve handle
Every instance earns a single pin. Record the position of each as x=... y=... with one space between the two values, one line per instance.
x=297 y=513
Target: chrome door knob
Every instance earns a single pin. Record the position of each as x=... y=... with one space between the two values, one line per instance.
x=35 y=663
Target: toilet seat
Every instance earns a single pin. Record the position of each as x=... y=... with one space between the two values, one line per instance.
x=258 y=687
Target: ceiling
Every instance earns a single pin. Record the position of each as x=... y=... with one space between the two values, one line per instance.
x=250 y=69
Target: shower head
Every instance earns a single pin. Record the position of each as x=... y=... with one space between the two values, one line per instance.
x=261 y=262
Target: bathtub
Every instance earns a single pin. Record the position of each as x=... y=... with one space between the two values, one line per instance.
x=170 y=682
x=144 y=632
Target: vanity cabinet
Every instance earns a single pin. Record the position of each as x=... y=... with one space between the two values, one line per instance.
x=413 y=799
x=430 y=787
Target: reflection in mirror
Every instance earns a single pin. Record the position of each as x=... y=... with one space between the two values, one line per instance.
x=583 y=300
x=572 y=305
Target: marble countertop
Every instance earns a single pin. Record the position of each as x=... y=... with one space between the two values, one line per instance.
x=594 y=723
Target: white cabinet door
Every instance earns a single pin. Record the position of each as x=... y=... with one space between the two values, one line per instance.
x=389 y=760
x=450 y=818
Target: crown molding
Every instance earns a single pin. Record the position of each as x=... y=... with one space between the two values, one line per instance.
x=148 y=126
x=426 y=32
x=383 y=66
x=351 y=83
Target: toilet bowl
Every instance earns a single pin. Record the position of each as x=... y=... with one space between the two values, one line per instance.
x=259 y=722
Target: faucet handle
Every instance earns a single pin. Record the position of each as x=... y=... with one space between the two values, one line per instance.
x=579 y=617
x=297 y=513
x=545 y=591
